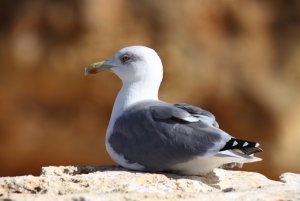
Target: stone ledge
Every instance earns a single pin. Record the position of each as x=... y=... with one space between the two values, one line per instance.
x=113 y=183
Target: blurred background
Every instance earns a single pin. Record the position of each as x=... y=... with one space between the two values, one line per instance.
x=238 y=59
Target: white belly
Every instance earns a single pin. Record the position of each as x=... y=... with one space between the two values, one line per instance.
x=198 y=166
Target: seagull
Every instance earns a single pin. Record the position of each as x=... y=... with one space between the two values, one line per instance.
x=148 y=134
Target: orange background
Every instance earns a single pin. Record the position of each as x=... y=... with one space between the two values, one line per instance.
x=238 y=59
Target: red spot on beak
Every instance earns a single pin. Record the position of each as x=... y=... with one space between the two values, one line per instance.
x=93 y=71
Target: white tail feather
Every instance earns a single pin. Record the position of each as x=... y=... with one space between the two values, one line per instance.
x=238 y=157
x=204 y=165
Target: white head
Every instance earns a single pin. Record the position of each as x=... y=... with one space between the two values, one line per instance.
x=132 y=64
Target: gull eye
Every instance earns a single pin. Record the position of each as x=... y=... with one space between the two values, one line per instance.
x=124 y=58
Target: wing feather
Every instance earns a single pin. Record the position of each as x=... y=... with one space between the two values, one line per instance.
x=199 y=112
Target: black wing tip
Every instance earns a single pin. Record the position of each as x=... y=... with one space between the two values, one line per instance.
x=247 y=147
x=251 y=150
x=257 y=145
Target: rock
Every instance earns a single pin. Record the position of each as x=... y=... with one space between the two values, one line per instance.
x=114 y=183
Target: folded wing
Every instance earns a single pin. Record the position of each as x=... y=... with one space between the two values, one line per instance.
x=159 y=135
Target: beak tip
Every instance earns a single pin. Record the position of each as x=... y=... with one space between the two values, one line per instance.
x=85 y=71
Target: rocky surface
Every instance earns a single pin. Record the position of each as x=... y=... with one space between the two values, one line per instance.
x=113 y=183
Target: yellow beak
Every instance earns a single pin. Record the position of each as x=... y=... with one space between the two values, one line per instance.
x=97 y=67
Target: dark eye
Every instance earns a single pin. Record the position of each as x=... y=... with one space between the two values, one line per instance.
x=124 y=58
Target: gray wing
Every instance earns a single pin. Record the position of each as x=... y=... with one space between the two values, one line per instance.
x=198 y=112
x=158 y=135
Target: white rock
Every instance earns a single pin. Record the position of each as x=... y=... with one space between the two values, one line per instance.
x=113 y=183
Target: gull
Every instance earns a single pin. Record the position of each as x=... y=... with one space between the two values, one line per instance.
x=148 y=134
